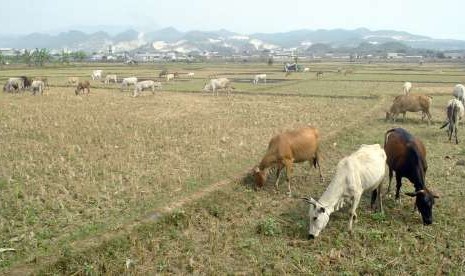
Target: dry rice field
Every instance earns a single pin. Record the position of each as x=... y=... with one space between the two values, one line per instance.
x=108 y=184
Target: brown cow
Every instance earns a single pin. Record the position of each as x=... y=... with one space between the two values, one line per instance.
x=82 y=85
x=406 y=156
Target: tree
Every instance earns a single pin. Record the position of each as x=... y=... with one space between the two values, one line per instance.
x=26 y=57
x=79 y=55
x=41 y=56
x=65 y=57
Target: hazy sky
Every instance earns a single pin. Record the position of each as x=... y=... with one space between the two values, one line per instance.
x=438 y=19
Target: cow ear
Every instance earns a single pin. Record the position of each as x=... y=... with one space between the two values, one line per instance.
x=434 y=194
x=411 y=194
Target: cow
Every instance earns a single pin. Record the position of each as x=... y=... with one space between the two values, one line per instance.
x=455 y=112
x=140 y=86
x=407 y=87
x=362 y=171
x=72 y=81
x=109 y=78
x=215 y=84
x=170 y=76
x=319 y=75
x=459 y=93
x=128 y=81
x=96 y=74
x=406 y=156
x=82 y=85
x=287 y=148
x=410 y=103
x=190 y=74
x=259 y=77
x=38 y=86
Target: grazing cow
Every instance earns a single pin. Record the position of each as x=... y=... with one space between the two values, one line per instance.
x=410 y=103
x=406 y=156
x=15 y=84
x=319 y=75
x=163 y=73
x=140 y=86
x=288 y=67
x=72 y=81
x=128 y=81
x=10 y=87
x=170 y=77
x=109 y=78
x=82 y=85
x=38 y=86
x=96 y=74
x=215 y=84
x=362 y=171
x=455 y=112
x=306 y=70
x=259 y=77
x=44 y=80
x=284 y=149
x=459 y=93
x=406 y=87
x=190 y=75
x=26 y=82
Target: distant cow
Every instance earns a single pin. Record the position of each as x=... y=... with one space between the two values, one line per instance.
x=44 y=80
x=459 y=93
x=170 y=77
x=141 y=86
x=96 y=74
x=306 y=70
x=82 y=85
x=16 y=82
x=10 y=87
x=319 y=75
x=215 y=84
x=37 y=86
x=190 y=75
x=72 y=81
x=259 y=77
x=128 y=81
x=406 y=87
x=109 y=78
x=26 y=81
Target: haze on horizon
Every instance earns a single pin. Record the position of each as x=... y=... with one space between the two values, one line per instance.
x=437 y=20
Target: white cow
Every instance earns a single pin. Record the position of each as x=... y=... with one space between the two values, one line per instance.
x=109 y=78
x=459 y=93
x=306 y=70
x=362 y=171
x=96 y=74
x=18 y=82
x=190 y=75
x=259 y=77
x=140 y=86
x=215 y=84
x=406 y=87
x=37 y=86
x=128 y=81
x=170 y=77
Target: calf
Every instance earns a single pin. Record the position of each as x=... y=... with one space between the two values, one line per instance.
x=96 y=74
x=362 y=171
x=284 y=149
x=406 y=156
x=82 y=85
x=109 y=78
x=455 y=112
x=410 y=103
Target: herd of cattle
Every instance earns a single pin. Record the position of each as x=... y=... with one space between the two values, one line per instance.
x=365 y=169
x=362 y=171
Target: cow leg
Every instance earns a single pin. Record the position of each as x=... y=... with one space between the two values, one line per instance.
x=353 y=214
x=374 y=194
x=398 y=185
x=456 y=128
x=390 y=180
x=316 y=163
x=278 y=174
x=289 y=170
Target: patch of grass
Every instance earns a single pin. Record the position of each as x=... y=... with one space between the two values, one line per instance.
x=269 y=227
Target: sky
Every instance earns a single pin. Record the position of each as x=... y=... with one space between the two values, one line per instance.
x=437 y=19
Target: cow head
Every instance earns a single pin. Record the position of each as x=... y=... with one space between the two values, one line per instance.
x=318 y=217
x=207 y=87
x=260 y=176
x=424 y=202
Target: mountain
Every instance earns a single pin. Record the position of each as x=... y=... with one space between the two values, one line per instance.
x=227 y=42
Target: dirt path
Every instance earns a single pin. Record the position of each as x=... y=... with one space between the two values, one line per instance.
x=94 y=241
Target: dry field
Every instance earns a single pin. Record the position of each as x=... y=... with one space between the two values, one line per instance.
x=110 y=184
